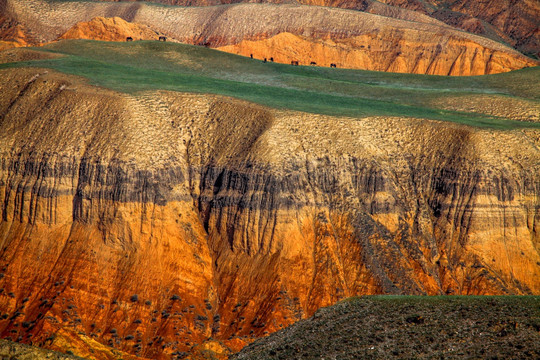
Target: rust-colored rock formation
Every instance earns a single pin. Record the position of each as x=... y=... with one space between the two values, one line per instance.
x=353 y=39
x=385 y=51
x=13 y=34
x=110 y=29
x=167 y=222
x=514 y=21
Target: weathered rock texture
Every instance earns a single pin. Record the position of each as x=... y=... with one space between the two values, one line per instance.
x=11 y=350
x=110 y=29
x=512 y=21
x=383 y=51
x=13 y=34
x=347 y=38
x=154 y=223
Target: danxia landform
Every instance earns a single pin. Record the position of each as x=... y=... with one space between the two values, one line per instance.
x=162 y=199
x=180 y=181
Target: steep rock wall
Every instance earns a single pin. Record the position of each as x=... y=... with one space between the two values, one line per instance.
x=384 y=51
x=151 y=224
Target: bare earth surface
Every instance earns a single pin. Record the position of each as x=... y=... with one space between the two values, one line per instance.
x=514 y=22
x=389 y=41
x=162 y=200
x=11 y=350
x=164 y=223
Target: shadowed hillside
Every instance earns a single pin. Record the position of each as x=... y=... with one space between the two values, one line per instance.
x=410 y=327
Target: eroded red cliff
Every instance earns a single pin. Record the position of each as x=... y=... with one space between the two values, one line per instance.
x=380 y=38
x=391 y=51
x=165 y=223
x=514 y=22
x=110 y=29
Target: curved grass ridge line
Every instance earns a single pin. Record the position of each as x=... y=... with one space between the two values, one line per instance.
x=354 y=93
x=396 y=44
x=176 y=57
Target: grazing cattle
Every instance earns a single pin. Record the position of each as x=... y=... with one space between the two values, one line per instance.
x=264 y=60
x=162 y=38
x=294 y=62
x=251 y=56
x=313 y=63
x=272 y=59
x=333 y=65
x=129 y=38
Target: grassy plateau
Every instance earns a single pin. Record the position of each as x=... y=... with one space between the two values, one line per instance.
x=150 y=65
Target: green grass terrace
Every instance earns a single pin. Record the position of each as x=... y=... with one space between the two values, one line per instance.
x=138 y=66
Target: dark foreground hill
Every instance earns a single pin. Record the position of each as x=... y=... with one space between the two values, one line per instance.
x=10 y=350
x=384 y=327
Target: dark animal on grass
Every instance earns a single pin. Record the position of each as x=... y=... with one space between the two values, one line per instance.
x=313 y=63
x=272 y=59
x=264 y=60
x=129 y=38
x=163 y=38
x=333 y=65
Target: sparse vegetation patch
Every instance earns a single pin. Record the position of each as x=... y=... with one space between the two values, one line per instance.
x=411 y=327
x=152 y=65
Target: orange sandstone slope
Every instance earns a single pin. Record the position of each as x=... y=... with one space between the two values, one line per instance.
x=353 y=38
x=13 y=34
x=110 y=29
x=514 y=21
x=166 y=223
x=384 y=51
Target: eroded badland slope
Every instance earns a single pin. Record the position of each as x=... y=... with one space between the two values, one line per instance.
x=393 y=40
x=13 y=350
x=110 y=29
x=514 y=22
x=160 y=222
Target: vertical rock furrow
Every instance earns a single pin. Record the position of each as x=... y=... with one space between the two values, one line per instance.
x=232 y=220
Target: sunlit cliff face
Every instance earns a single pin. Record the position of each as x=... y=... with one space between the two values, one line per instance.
x=381 y=37
x=155 y=222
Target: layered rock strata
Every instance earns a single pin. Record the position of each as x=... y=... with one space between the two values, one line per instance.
x=168 y=223
x=514 y=22
x=110 y=29
x=404 y=53
x=325 y=36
